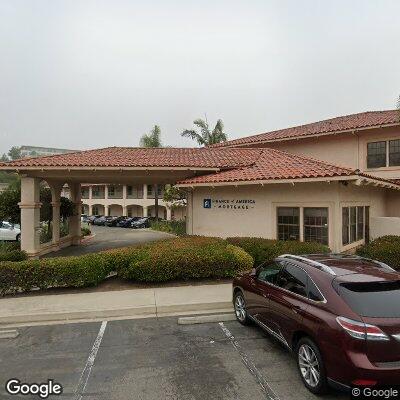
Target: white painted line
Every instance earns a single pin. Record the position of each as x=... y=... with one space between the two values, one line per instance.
x=8 y=334
x=269 y=393
x=83 y=380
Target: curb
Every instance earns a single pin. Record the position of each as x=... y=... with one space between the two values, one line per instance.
x=115 y=313
x=204 y=319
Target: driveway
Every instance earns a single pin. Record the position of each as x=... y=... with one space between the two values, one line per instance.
x=153 y=359
x=111 y=238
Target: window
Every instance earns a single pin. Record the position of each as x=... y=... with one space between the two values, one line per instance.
x=293 y=279
x=268 y=272
x=150 y=190
x=111 y=191
x=316 y=225
x=394 y=152
x=355 y=224
x=313 y=292
x=376 y=154
x=288 y=223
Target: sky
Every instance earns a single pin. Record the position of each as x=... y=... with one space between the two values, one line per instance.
x=86 y=74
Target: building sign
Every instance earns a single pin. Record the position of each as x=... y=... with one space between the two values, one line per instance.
x=229 y=204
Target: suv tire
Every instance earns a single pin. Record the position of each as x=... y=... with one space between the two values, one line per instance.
x=311 y=366
x=239 y=305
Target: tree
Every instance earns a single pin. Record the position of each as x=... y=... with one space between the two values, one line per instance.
x=14 y=153
x=175 y=196
x=9 y=208
x=152 y=139
x=206 y=137
x=4 y=158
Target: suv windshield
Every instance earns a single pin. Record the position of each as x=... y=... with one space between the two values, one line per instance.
x=373 y=299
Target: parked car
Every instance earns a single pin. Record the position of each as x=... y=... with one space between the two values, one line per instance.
x=92 y=218
x=126 y=223
x=84 y=218
x=141 y=223
x=9 y=231
x=113 y=221
x=100 y=221
x=339 y=314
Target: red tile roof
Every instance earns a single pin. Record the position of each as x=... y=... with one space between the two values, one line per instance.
x=274 y=165
x=119 y=157
x=234 y=164
x=326 y=127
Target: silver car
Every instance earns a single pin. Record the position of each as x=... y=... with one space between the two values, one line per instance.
x=10 y=231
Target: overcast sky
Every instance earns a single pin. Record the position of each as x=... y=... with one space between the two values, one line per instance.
x=85 y=74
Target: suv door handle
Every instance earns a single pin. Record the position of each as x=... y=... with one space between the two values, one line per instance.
x=296 y=309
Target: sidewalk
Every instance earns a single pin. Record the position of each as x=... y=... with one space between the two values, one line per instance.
x=135 y=303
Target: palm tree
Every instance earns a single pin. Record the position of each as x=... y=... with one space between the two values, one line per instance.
x=206 y=137
x=152 y=139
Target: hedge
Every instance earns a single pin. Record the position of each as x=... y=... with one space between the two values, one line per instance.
x=181 y=258
x=385 y=249
x=187 y=258
x=267 y=249
x=87 y=270
x=10 y=251
x=175 y=227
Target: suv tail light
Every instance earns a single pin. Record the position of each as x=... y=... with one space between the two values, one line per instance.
x=359 y=330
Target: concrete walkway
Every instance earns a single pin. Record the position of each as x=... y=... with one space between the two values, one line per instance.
x=124 y=304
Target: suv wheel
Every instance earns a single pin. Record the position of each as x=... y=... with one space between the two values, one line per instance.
x=240 y=308
x=18 y=238
x=311 y=366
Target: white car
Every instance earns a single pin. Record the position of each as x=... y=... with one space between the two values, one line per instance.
x=9 y=231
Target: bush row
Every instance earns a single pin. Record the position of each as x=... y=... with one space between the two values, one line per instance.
x=10 y=251
x=175 y=227
x=267 y=249
x=182 y=258
x=385 y=249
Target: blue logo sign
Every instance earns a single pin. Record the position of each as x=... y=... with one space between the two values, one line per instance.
x=207 y=203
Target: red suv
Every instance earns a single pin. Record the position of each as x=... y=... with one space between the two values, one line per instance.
x=339 y=314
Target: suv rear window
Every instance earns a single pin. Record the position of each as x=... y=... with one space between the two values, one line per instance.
x=372 y=299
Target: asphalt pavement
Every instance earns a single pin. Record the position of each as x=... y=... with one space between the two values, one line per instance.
x=110 y=238
x=153 y=359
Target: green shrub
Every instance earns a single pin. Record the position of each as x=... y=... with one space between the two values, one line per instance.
x=86 y=270
x=176 y=227
x=10 y=251
x=385 y=249
x=85 y=231
x=187 y=258
x=267 y=249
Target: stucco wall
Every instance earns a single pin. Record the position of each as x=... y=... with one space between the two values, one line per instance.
x=349 y=149
x=381 y=226
x=259 y=218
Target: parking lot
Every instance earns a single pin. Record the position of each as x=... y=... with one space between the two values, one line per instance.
x=109 y=238
x=153 y=359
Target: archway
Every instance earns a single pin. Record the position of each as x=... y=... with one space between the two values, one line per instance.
x=162 y=211
x=135 y=210
x=115 y=210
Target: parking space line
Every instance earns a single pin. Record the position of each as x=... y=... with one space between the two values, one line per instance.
x=269 y=393
x=83 y=380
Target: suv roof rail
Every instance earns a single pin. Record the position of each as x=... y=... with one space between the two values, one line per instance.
x=322 y=267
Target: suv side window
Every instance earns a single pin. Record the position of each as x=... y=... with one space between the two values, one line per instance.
x=313 y=291
x=293 y=279
x=268 y=272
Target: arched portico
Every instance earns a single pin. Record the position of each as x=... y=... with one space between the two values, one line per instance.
x=162 y=211
x=115 y=210
x=135 y=210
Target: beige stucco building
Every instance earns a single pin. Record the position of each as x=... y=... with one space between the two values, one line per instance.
x=128 y=200
x=335 y=182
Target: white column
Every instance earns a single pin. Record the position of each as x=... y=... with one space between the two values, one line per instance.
x=90 y=209
x=169 y=213
x=90 y=193
x=75 y=219
x=106 y=191
x=106 y=210
x=145 y=191
x=145 y=211
x=30 y=215
x=124 y=211
x=124 y=192
x=55 y=188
